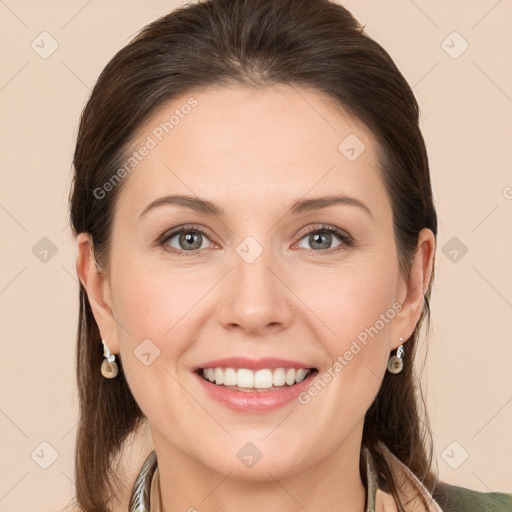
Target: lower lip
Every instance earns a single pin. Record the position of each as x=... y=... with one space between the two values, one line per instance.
x=257 y=401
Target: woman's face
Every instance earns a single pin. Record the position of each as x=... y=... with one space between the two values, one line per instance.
x=259 y=278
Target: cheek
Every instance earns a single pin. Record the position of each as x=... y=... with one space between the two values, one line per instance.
x=356 y=310
x=157 y=310
x=367 y=306
x=350 y=301
x=150 y=296
x=152 y=313
x=147 y=307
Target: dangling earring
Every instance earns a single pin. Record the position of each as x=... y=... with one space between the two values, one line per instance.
x=108 y=366
x=396 y=363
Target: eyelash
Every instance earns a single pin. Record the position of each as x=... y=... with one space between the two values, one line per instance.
x=345 y=238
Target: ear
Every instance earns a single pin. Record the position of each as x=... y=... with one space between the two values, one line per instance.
x=411 y=294
x=97 y=286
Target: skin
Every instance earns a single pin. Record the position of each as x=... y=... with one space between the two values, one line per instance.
x=255 y=152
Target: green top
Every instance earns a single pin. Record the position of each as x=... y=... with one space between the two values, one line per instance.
x=452 y=498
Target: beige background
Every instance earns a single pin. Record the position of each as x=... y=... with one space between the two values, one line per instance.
x=466 y=107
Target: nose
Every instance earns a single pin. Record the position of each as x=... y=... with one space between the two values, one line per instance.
x=255 y=299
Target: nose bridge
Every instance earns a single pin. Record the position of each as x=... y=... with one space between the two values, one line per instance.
x=252 y=276
x=254 y=297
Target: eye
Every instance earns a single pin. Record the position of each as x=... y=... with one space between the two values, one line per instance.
x=187 y=239
x=191 y=240
x=321 y=238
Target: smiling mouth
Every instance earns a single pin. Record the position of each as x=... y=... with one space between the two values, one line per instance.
x=250 y=381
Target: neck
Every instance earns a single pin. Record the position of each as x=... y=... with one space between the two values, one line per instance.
x=333 y=484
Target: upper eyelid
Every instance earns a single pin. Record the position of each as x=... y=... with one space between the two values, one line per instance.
x=186 y=227
x=323 y=227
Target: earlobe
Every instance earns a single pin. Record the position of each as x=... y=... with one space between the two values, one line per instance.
x=421 y=271
x=97 y=287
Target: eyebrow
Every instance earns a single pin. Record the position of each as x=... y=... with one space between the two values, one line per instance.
x=299 y=206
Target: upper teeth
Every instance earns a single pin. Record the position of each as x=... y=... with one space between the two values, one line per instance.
x=264 y=378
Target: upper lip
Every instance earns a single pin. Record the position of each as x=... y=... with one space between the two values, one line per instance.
x=252 y=364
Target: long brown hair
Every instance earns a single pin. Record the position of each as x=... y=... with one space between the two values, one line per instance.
x=316 y=44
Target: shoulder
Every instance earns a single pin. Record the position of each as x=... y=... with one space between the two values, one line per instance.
x=453 y=498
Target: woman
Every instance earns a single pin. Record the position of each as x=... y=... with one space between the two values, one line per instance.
x=256 y=238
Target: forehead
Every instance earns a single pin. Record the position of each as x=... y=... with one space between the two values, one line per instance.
x=258 y=148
